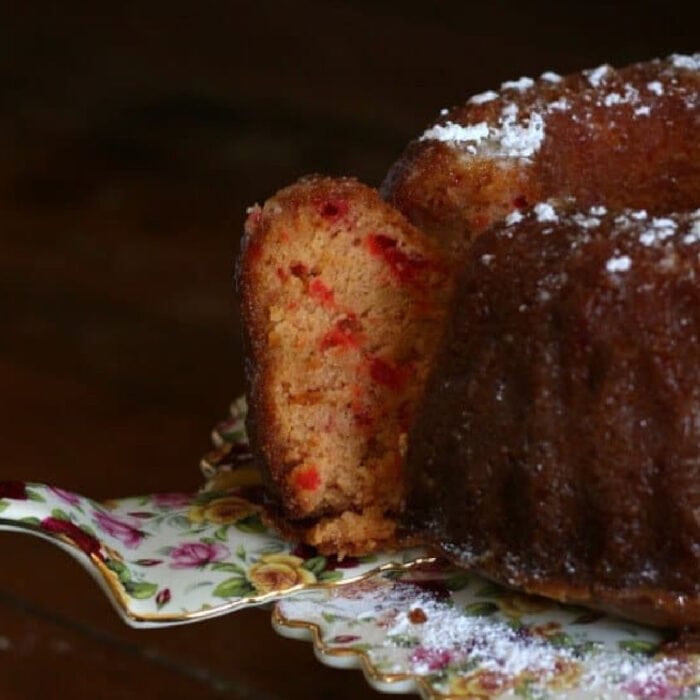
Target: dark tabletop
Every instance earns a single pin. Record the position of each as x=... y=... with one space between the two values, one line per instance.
x=132 y=137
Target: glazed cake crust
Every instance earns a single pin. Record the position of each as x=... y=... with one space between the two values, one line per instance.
x=557 y=449
x=623 y=138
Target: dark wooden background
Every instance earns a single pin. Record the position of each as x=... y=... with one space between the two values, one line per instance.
x=132 y=137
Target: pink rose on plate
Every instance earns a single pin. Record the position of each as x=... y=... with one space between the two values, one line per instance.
x=197 y=554
x=71 y=498
x=89 y=544
x=431 y=659
x=126 y=532
x=171 y=500
x=163 y=598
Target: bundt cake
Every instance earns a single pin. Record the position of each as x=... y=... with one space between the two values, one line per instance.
x=558 y=447
x=343 y=301
x=557 y=439
x=623 y=138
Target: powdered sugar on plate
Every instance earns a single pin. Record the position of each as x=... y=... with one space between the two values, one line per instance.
x=457 y=634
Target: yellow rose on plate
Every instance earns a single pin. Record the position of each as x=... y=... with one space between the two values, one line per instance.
x=481 y=684
x=228 y=509
x=566 y=674
x=278 y=572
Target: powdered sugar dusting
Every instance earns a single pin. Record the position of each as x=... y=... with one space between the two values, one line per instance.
x=612 y=98
x=450 y=131
x=629 y=227
x=562 y=104
x=586 y=221
x=620 y=263
x=545 y=212
x=596 y=75
x=693 y=236
x=515 y=217
x=683 y=61
x=483 y=97
x=495 y=644
x=664 y=225
x=510 y=137
x=629 y=96
x=464 y=637
x=521 y=140
x=551 y=77
x=659 y=230
x=521 y=84
x=518 y=129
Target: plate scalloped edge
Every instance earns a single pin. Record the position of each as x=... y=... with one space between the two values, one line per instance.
x=340 y=658
x=451 y=634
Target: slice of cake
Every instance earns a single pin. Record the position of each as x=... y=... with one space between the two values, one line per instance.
x=343 y=303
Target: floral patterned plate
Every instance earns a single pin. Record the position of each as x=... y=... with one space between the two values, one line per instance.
x=445 y=633
x=411 y=623
x=173 y=558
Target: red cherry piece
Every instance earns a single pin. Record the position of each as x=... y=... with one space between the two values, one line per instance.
x=308 y=479
x=333 y=209
x=403 y=267
x=299 y=269
x=319 y=291
x=344 y=334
